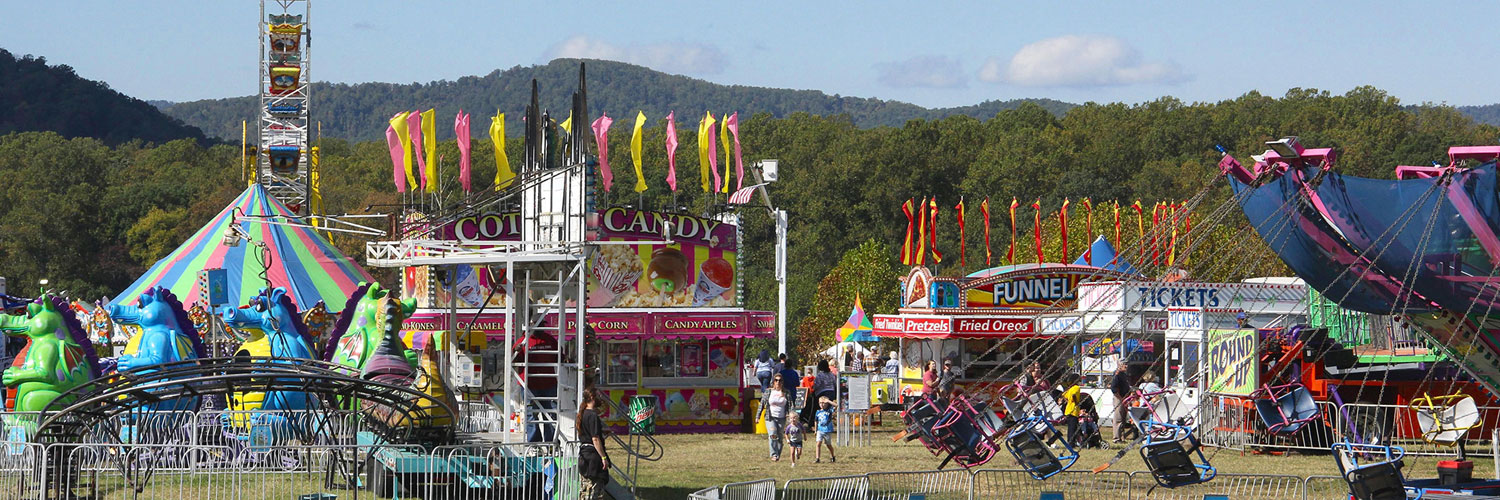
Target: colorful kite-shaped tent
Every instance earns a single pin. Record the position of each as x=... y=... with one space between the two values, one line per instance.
x=308 y=266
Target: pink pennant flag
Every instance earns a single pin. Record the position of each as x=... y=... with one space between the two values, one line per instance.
x=398 y=156
x=414 y=124
x=461 y=129
x=713 y=156
x=733 y=123
x=601 y=137
x=672 y=151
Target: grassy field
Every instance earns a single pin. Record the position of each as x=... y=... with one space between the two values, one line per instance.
x=696 y=461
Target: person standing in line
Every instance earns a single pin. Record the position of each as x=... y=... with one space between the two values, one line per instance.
x=1120 y=387
x=774 y=407
x=947 y=379
x=824 y=386
x=764 y=368
x=930 y=379
x=848 y=358
x=825 y=430
x=593 y=460
x=892 y=365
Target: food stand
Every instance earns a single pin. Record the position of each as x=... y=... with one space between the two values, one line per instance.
x=986 y=320
x=664 y=306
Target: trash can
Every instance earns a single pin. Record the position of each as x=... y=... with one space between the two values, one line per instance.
x=758 y=425
x=643 y=414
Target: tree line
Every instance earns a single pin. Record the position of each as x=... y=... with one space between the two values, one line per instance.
x=92 y=217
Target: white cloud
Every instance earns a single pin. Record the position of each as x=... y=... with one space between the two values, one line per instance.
x=1079 y=61
x=923 y=71
x=671 y=57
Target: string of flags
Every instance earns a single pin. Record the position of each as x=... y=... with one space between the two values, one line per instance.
x=410 y=137
x=1159 y=247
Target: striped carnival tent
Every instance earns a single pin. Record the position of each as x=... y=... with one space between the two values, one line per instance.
x=307 y=265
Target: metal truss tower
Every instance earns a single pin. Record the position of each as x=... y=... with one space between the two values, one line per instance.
x=282 y=160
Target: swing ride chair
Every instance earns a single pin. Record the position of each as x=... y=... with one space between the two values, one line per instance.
x=961 y=431
x=1446 y=420
x=919 y=417
x=1169 y=455
x=1285 y=408
x=1146 y=416
x=1379 y=479
x=1027 y=444
x=967 y=432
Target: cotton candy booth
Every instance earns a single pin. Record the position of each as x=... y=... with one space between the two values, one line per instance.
x=663 y=309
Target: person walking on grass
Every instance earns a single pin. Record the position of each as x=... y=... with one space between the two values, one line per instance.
x=794 y=439
x=775 y=406
x=825 y=430
x=764 y=368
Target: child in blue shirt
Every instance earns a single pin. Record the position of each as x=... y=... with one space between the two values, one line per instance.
x=825 y=430
x=794 y=439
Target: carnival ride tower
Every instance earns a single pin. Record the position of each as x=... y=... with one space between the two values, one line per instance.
x=544 y=273
x=282 y=159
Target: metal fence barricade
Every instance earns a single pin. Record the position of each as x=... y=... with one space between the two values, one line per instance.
x=1015 y=483
x=1397 y=424
x=494 y=471
x=1325 y=488
x=709 y=493
x=1234 y=486
x=952 y=484
x=1224 y=422
x=764 y=489
x=853 y=428
x=827 y=488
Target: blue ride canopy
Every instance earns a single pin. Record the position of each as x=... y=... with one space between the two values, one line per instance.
x=1102 y=255
x=1427 y=230
x=1313 y=249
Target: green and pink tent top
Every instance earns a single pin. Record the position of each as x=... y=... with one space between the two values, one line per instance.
x=303 y=262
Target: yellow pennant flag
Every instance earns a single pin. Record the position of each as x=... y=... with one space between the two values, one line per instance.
x=724 y=143
x=403 y=132
x=429 y=144
x=703 y=167
x=635 y=151
x=503 y=174
x=567 y=124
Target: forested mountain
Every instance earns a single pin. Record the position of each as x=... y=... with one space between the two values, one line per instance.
x=91 y=218
x=39 y=97
x=1489 y=113
x=359 y=112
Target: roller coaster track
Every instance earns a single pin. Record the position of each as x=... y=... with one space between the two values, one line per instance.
x=397 y=414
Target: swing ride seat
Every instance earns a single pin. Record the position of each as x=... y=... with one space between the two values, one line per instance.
x=967 y=432
x=1447 y=419
x=1285 y=408
x=1171 y=463
x=919 y=418
x=1379 y=480
x=1030 y=449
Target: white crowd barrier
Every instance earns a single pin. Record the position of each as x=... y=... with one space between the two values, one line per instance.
x=1009 y=484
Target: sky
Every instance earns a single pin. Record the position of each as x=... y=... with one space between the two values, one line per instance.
x=932 y=53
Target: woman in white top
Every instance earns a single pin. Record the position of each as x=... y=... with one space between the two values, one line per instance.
x=775 y=406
